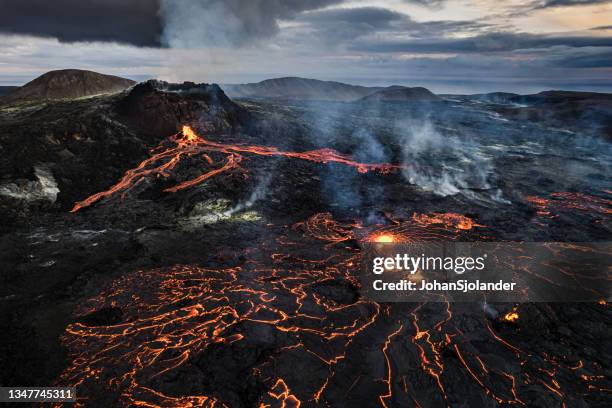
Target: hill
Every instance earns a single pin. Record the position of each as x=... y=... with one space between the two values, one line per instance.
x=555 y=97
x=401 y=94
x=66 y=84
x=300 y=89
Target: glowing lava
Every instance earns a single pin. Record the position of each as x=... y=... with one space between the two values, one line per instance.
x=549 y=208
x=383 y=238
x=289 y=318
x=511 y=317
x=453 y=220
x=188 y=144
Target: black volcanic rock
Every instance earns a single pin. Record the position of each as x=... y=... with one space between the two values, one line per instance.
x=299 y=89
x=402 y=94
x=105 y=316
x=587 y=113
x=66 y=84
x=160 y=108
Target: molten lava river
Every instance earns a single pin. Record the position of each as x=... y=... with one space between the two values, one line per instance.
x=287 y=327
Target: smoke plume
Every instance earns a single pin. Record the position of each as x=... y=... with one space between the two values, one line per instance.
x=444 y=165
x=221 y=23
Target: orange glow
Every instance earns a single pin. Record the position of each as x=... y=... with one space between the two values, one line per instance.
x=567 y=201
x=280 y=391
x=384 y=238
x=511 y=317
x=453 y=220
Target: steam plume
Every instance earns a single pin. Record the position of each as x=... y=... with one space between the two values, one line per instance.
x=219 y=23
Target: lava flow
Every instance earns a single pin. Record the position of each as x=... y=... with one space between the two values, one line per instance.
x=420 y=227
x=458 y=221
x=287 y=327
x=549 y=208
x=189 y=144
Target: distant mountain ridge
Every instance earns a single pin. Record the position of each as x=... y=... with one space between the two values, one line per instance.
x=67 y=84
x=296 y=88
x=557 y=96
x=299 y=88
x=544 y=97
x=402 y=94
x=587 y=112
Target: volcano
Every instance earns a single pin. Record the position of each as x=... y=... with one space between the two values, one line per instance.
x=166 y=245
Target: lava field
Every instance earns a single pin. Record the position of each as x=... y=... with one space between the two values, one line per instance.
x=169 y=247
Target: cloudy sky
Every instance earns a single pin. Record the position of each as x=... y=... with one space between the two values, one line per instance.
x=454 y=46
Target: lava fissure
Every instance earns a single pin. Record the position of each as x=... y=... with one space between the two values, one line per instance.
x=189 y=144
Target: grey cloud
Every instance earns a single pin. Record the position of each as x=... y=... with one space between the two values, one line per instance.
x=444 y=27
x=485 y=43
x=334 y=27
x=588 y=57
x=427 y=3
x=152 y=23
x=337 y=26
x=133 y=22
x=592 y=61
x=540 y=4
x=375 y=16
